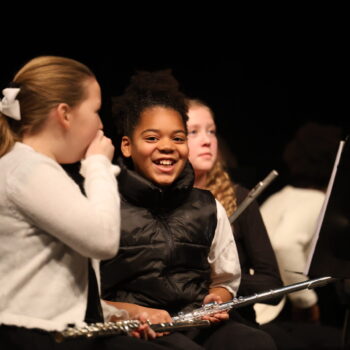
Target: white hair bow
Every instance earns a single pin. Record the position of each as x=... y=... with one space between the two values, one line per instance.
x=9 y=106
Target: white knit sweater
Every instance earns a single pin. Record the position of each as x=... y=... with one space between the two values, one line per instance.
x=48 y=229
x=290 y=216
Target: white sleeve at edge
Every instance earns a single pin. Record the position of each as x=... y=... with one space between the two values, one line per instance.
x=223 y=256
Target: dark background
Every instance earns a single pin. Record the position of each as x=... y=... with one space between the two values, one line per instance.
x=260 y=96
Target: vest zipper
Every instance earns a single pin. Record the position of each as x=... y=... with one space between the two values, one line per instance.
x=169 y=239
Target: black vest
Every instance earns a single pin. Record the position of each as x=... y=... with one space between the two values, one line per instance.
x=166 y=236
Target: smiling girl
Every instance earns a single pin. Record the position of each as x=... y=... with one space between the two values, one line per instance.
x=177 y=250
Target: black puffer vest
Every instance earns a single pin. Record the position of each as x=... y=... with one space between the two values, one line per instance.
x=165 y=240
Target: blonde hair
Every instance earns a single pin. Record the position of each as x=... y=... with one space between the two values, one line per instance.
x=44 y=82
x=218 y=181
x=195 y=102
x=221 y=186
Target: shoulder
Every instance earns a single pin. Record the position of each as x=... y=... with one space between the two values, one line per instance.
x=241 y=193
x=28 y=164
x=203 y=200
x=23 y=165
x=221 y=212
x=293 y=203
x=294 y=195
x=202 y=194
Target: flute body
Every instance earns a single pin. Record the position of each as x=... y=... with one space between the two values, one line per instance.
x=103 y=329
x=213 y=308
x=253 y=194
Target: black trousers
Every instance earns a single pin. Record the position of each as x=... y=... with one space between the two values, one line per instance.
x=290 y=335
x=233 y=335
x=225 y=335
x=16 y=338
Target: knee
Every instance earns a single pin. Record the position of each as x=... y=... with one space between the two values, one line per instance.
x=247 y=338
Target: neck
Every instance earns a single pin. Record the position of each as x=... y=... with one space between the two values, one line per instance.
x=39 y=144
x=200 y=180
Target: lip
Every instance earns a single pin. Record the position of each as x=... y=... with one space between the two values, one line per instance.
x=164 y=158
x=165 y=168
x=206 y=154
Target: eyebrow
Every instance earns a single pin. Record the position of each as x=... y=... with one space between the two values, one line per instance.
x=157 y=130
x=199 y=125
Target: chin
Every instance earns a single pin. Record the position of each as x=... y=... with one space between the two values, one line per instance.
x=69 y=160
x=164 y=182
x=72 y=158
x=203 y=164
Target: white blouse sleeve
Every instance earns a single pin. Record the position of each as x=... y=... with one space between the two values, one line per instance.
x=51 y=201
x=223 y=256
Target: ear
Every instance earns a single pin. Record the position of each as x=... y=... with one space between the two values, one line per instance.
x=63 y=115
x=126 y=146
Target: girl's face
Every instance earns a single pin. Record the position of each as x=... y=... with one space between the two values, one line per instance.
x=202 y=141
x=85 y=121
x=158 y=146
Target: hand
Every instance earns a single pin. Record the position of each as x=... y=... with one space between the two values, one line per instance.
x=100 y=145
x=144 y=331
x=310 y=314
x=145 y=314
x=154 y=316
x=220 y=316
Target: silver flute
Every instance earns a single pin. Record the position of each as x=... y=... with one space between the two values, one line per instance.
x=102 y=329
x=253 y=194
x=213 y=308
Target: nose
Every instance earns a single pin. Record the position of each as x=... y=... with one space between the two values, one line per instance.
x=165 y=146
x=204 y=138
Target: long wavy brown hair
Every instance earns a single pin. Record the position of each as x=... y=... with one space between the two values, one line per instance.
x=221 y=186
x=218 y=180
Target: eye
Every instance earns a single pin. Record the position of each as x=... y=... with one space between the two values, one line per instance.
x=179 y=139
x=212 y=132
x=192 y=132
x=151 y=138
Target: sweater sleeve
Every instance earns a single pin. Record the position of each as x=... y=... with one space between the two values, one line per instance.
x=291 y=237
x=51 y=201
x=223 y=256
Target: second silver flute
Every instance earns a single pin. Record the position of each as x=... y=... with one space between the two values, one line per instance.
x=213 y=308
x=253 y=194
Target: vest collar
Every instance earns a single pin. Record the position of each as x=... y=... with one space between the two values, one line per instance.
x=142 y=192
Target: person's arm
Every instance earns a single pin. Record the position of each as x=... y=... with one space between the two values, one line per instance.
x=292 y=257
x=224 y=263
x=260 y=271
x=290 y=238
x=222 y=293
x=146 y=315
x=223 y=258
x=134 y=310
x=113 y=314
x=51 y=201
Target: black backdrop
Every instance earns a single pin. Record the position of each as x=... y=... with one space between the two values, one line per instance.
x=259 y=100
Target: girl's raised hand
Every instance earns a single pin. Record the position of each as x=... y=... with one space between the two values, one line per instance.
x=101 y=145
